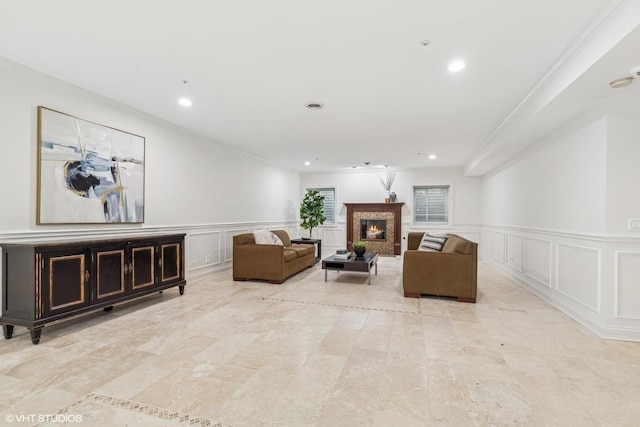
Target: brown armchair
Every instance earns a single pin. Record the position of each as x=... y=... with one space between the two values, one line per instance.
x=452 y=272
x=274 y=263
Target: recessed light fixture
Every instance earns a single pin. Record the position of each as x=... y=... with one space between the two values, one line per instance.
x=456 y=66
x=618 y=83
x=314 y=106
x=432 y=156
x=307 y=163
x=185 y=102
x=425 y=42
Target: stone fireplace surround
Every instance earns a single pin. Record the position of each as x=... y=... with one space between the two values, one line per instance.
x=391 y=212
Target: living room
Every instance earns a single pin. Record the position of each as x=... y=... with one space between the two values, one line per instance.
x=552 y=211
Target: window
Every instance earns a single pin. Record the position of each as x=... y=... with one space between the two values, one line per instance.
x=329 y=195
x=431 y=204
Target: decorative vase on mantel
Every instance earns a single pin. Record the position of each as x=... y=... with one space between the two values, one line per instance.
x=392 y=197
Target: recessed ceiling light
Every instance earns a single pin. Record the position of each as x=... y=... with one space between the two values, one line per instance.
x=432 y=156
x=307 y=163
x=624 y=81
x=456 y=66
x=185 y=102
x=425 y=42
x=314 y=106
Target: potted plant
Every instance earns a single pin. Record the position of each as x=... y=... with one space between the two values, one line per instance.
x=312 y=211
x=359 y=248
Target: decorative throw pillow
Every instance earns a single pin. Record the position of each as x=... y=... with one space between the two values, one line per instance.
x=265 y=237
x=432 y=242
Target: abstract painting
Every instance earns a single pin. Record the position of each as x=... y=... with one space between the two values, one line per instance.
x=88 y=173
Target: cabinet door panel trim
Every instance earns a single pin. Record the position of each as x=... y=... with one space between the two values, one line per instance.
x=83 y=275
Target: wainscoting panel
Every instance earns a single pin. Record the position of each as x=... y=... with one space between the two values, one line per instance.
x=332 y=239
x=290 y=229
x=627 y=274
x=537 y=260
x=228 y=237
x=594 y=279
x=514 y=252
x=497 y=246
x=203 y=249
x=578 y=274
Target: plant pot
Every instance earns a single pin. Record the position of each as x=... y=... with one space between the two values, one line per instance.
x=359 y=251
x=387 y=200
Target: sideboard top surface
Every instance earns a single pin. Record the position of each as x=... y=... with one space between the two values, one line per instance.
x=66 y=242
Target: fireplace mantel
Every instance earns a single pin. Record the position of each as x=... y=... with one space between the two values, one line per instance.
x=372 y=211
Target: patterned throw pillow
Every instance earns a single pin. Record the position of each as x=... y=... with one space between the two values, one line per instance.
x=265 y=237
x=432 y=242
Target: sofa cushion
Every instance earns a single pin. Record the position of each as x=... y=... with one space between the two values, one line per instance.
x=457 y=244
x=300 y=250
x=432 y=242
x=290 y=255
x=265 y=237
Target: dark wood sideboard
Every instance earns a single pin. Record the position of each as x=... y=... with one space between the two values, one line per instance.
x=49 y=281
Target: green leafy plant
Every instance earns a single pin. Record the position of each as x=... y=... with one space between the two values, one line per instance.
x=359 y=245
x=312 y=210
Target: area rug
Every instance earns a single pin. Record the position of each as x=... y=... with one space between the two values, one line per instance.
x=350 y=289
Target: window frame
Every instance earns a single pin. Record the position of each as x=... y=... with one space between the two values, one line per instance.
x=433 y=224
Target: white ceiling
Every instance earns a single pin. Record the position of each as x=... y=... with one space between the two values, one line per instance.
x=252 y=66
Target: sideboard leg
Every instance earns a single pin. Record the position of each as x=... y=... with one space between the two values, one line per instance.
x=35 y=335
x=107 y=309
x=181 y=287
x=8 y=331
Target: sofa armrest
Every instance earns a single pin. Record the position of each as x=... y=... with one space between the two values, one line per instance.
x=439 y=273
x=258 y=261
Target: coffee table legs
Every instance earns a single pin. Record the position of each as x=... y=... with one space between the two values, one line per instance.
x=376 y=265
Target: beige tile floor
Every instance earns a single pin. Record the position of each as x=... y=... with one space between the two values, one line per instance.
x=310 y=353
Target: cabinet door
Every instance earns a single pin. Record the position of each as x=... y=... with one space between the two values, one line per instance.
x=109 y=274
x=64 y=284
x=170 y=262
x=142 y=266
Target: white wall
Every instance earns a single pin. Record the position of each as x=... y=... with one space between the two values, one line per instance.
x=623 y=174
x=359 y=186
x=561 y=186
x=556 y=221
x=192 y=184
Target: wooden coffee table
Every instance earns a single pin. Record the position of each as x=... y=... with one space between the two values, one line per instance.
x=353 y=264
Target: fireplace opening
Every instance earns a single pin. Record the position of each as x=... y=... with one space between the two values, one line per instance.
x=373 y=229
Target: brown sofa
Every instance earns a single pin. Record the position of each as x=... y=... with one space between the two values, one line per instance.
x=451 y=273
x=274 y=263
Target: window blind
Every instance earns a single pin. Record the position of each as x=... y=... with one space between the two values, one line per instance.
x=329 y=210
x=431 y=204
